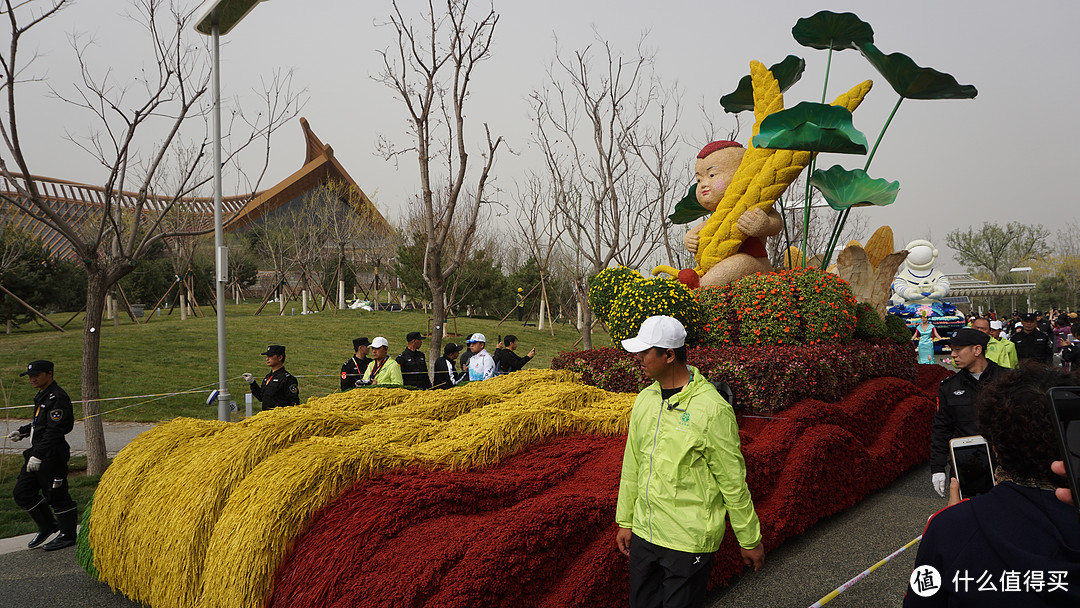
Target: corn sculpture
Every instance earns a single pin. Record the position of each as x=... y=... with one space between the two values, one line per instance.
x=763 y=175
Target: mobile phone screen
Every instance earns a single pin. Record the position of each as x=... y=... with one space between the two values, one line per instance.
x=973 y=469
x=1066 y=406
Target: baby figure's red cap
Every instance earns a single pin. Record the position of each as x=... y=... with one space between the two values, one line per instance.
x=717 y=145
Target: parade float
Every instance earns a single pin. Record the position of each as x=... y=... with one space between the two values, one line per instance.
x=503 y=492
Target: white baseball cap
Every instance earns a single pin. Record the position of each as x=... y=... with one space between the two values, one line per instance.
x=379 y=341
x=476 y=338
x=661 y=331
x=995 y=325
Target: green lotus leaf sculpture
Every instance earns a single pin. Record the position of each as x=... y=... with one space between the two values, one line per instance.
x=815 y=127
x=846 y=188
x=688 y=209
x=836 y=31
x=911 y=81
x=787 y=73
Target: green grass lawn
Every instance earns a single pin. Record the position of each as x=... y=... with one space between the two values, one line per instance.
x=13 y=520
x=168 y=355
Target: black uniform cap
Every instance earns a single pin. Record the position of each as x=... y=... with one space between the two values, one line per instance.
x=450 y=348
x=1028 y=316
x=965 y=336
x=38 y=367
x=358 y=342
x=274 y=349
x=413 y=335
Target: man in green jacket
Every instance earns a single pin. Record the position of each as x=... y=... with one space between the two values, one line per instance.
x=999 y=350
x=382 y=371
x=683 y=473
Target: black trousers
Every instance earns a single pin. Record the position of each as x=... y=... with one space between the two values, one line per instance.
x=666 y=578
x=48 y=484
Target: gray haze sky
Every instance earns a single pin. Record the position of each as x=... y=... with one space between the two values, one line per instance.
x=1004 y=156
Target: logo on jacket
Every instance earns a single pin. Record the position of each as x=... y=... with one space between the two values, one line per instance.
x=959 y=392
x=686 y=417
x=56 y=415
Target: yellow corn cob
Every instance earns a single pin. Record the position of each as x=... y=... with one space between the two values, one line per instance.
x=879 y=245
x=762 y=176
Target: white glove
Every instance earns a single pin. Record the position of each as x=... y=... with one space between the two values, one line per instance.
x=33 y=464
x=939 y=484
x=14 y=435
x=248 y=377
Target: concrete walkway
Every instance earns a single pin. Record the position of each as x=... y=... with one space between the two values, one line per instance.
x=117 y=435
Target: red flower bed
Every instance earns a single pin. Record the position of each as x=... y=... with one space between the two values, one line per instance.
x=765 y=379
x=538 y=529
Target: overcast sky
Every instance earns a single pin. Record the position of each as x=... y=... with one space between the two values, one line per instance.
x=1006 y=155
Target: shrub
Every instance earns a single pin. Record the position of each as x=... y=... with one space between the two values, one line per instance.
x=826 y=306
x=641 y=299
x=764 y=306
x=718 y=328
x=869 y=325
x=764 y=378
x=897 y=330
x=604 y=288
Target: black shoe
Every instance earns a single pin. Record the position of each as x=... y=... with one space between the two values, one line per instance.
x=47 y=526
x=42 y=536
x=69 y=520
x=60 y=542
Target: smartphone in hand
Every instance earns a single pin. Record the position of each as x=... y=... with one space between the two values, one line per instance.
x=972 y=465
x=1065 y=405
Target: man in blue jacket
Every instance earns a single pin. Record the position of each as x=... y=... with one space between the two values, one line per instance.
x=683 y=473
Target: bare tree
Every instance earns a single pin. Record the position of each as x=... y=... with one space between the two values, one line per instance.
x=167 y=95
x=431 y=70
x=590 y=122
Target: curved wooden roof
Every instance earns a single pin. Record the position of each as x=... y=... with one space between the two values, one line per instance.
x=78 y=203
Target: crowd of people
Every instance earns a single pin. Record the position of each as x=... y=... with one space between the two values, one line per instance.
x=372 y=365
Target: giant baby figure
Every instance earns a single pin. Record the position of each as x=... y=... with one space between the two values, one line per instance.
x=919 y=283
x=715 y=166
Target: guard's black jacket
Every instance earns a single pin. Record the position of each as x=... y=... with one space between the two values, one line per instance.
x=507 y=361
x=414 y=371
x=955 y=415
x=446 y=375
x=353 y=370
x=278 y=389
x=1035 y=345
x=53 y=418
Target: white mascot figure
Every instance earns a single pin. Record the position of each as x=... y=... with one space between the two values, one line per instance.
x=919 y=283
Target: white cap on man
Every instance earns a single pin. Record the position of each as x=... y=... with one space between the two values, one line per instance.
x=661 y=331
x=476 y=338
x=379 y=341
x=995 y=325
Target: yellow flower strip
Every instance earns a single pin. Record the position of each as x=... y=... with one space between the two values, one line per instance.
x=762 y=176
x=202 y=513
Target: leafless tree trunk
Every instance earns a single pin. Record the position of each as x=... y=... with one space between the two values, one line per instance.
x=431 y=70
x=132 y=215
x=592 y=124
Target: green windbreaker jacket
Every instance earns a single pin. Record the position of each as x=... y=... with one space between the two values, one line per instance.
x=683 y=471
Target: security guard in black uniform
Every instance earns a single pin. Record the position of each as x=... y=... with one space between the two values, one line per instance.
x=414 y=371
x=279 y=388
x=42 y=482
x=955 y=415
x=352 y=371
x=1032 y=344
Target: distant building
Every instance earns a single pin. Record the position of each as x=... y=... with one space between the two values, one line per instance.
x=81 y=203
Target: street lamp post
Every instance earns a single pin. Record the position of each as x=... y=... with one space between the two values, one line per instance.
x=1027 y=279
x=216 y=18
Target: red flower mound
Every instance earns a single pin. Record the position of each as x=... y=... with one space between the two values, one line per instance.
x=765 y=378
x=538 y=529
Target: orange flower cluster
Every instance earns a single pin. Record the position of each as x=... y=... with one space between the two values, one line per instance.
x=800 y=306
